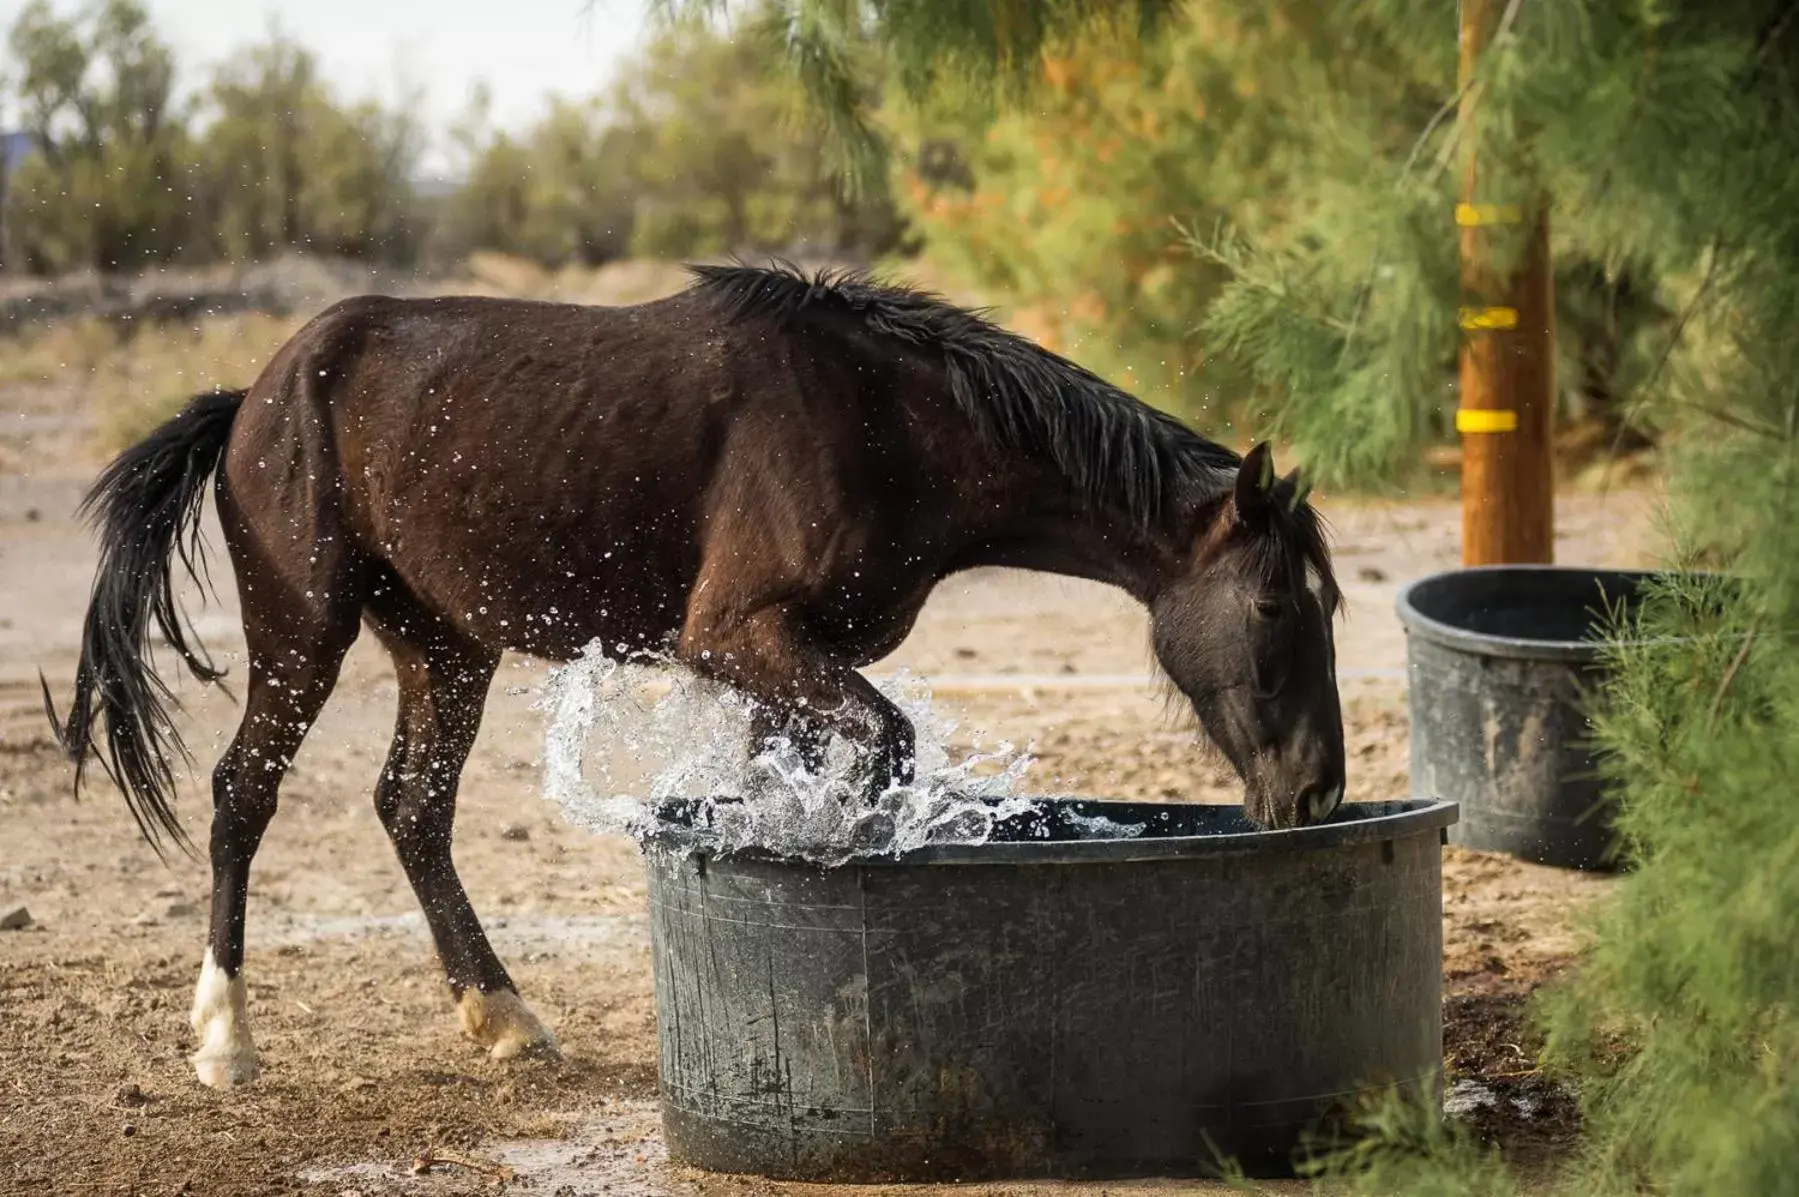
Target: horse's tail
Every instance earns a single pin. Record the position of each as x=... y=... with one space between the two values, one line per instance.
x=146 y=508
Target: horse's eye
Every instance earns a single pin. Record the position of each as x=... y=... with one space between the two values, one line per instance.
x=1270 y=608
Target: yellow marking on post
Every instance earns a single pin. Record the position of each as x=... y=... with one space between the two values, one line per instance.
x=1476 y=419
x=1488 y=318
x=1474 y=215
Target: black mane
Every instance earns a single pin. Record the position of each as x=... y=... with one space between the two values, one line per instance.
x=1117 y=449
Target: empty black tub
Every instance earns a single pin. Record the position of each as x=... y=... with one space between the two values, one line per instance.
x=1497 y=661
x=1049 y=1004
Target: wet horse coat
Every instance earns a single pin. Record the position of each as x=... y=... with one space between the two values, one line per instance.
x=765 y=474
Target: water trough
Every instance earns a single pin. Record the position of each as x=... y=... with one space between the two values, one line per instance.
x=1500 y=663
x=1099 y=990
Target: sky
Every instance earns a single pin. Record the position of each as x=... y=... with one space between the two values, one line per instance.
x=524 y=49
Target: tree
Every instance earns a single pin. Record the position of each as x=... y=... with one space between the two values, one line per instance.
x=697 y=150
x=287 y=166
x=723 y=159
x=1122 y=137
x=560 y=194
x=105 y=187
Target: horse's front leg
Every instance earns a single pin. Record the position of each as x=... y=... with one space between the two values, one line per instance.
x=801 y=692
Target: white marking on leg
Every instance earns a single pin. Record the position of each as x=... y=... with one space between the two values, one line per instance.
x=227 y=1057
x=501 y=1022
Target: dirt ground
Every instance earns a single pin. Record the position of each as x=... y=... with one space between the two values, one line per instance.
x=364 y=1069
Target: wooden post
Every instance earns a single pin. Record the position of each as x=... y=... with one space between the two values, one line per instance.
x=1507 y=409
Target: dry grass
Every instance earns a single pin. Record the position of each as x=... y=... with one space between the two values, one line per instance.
x=133 y=380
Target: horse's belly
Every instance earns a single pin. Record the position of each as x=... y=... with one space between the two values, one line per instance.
x=550 y=596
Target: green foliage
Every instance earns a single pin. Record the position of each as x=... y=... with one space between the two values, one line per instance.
x=284 y=166
x=963 y=57
x=265 y=160
x=560 y=194
x=699 y=149
x=1235 y=122
x=1215 y=119
x=723 y=160
x=107 y=187
x=1545 y=129
x=1119 y=136
x=1396 y=1145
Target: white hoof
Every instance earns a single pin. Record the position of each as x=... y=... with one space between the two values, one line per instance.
x=502 y=1023
x=227 y=1056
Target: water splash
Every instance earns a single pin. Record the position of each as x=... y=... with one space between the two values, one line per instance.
x=624 y=738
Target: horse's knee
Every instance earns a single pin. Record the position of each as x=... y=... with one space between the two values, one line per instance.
x=226 y=1056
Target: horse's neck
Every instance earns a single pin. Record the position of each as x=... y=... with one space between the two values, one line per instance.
x=1051 y=533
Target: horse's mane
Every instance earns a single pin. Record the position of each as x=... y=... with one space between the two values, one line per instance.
x=1117 y=449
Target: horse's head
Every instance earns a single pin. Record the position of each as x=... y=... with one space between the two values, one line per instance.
x=1244 y=631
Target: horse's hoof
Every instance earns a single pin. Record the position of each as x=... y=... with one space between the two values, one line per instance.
x=227 y=1055
x=225 y=1070
x=502 y=1023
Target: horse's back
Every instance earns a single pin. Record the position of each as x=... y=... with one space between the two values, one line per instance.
x=513 y=459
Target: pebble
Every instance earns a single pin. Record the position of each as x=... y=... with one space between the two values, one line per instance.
x=515 y=831
x=16 y=919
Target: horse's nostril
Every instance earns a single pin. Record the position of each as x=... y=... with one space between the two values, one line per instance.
x=1322 y=803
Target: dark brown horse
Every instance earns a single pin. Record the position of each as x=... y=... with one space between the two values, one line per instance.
x=765 y=474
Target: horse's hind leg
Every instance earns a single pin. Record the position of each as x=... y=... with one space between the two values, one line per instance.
x=293 y=664
x=443 y=679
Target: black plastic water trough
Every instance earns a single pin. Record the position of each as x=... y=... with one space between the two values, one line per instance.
x=1049 y=1004
x=1497 y=659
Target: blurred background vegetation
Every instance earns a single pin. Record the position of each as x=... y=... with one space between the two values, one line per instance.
x=1074 y=214
x=696 y=149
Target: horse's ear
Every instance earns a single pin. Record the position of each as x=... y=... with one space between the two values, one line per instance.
x=1255 y=478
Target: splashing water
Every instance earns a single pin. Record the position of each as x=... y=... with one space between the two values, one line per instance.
x=625 y=738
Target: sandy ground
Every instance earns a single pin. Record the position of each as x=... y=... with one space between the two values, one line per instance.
x=364 y=1067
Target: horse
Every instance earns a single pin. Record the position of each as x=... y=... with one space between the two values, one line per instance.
x=763 y=475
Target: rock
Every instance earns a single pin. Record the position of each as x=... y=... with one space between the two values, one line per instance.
x=16 y=919
x=180 y=910
x=1370 y=573
x=131 y=1095
x=515 y=831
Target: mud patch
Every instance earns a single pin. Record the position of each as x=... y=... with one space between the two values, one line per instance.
x=1496 y=1086
x=618 y=1154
